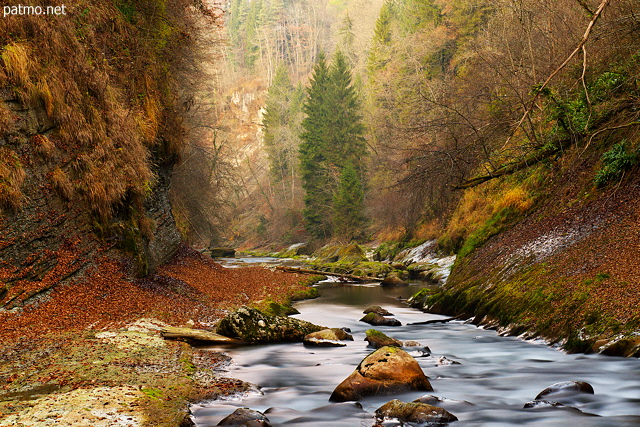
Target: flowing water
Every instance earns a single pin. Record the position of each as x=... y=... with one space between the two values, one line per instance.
x=495 y=378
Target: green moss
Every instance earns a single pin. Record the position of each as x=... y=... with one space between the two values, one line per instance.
x=303 y=294
x=153 y=393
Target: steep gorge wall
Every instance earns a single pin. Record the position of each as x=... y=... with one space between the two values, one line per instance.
x=89 y=133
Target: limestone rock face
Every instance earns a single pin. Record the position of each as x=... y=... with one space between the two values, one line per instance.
x=385 y=371
x=377 y=320
x=328 y=338
x=414 y=413
x=377 y=339
x=250 y=325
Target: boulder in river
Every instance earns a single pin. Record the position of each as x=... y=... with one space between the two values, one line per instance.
x=250 y=325
x=565 y=388
x=393 y=279
x=414 y=413
x=245 y=417
x=416 y=349
x=377 y=320
x=377 y=310
x=377 y=339
x=385 y=371
x=444 y=361
x=328 y=338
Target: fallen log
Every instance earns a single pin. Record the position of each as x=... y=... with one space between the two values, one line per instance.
x=197 y=336
x=349 y=277
x=428 y=322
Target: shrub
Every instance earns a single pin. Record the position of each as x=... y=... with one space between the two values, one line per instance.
x=615 y=163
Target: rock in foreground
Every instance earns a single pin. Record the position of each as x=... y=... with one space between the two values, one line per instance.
x=385 y=371
x=377 y=320
x=414 y=413
x=250 y=325
x=245 y=417
x=328 y=338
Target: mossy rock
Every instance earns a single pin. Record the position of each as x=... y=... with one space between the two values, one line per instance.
x=251 y=325
x=378 y=320
x=378 y=339
x=274 y=308
x=308 y=293
x=414 y=413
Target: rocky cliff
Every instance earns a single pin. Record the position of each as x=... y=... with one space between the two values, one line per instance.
x=89 y=132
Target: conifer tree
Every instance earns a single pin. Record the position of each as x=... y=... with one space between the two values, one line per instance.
x=333 y=139
x=349 y=219
x=313 y=153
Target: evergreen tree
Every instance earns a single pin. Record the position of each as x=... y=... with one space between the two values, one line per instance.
x=276 y=121
x=349 y=219
x=313 y=153
x=347 y=40
x=332 y=140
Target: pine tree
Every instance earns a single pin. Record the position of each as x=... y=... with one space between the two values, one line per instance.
x=349 y=220
x=333 y=139
x=313 y=154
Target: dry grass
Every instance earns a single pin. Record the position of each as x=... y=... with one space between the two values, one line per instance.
x=43 y=146
x=107 y=90
x=12 y=175
x=62 y=184
x=17 y=63
x=6 y=119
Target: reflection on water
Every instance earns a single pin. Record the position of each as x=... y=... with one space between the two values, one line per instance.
x=497 y=375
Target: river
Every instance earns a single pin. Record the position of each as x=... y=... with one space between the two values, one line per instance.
x=495 y=378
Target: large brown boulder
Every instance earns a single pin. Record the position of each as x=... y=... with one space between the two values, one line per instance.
x=414 y=413
x=251 y=325
x=385 y=371
x=328 y=338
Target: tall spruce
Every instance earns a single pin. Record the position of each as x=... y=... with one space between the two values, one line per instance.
x=313 y=151
x=349 y=219
x=332 y=139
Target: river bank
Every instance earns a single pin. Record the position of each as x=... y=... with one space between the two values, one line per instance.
x=91 y=353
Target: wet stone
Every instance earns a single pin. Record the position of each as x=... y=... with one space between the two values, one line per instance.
x=414 y=413
x=378 y=320
x=245 y=417
x=377 y=310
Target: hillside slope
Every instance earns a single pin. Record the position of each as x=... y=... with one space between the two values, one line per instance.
x=568 y=270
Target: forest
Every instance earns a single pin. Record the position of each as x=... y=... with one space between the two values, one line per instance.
x=446 y=95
